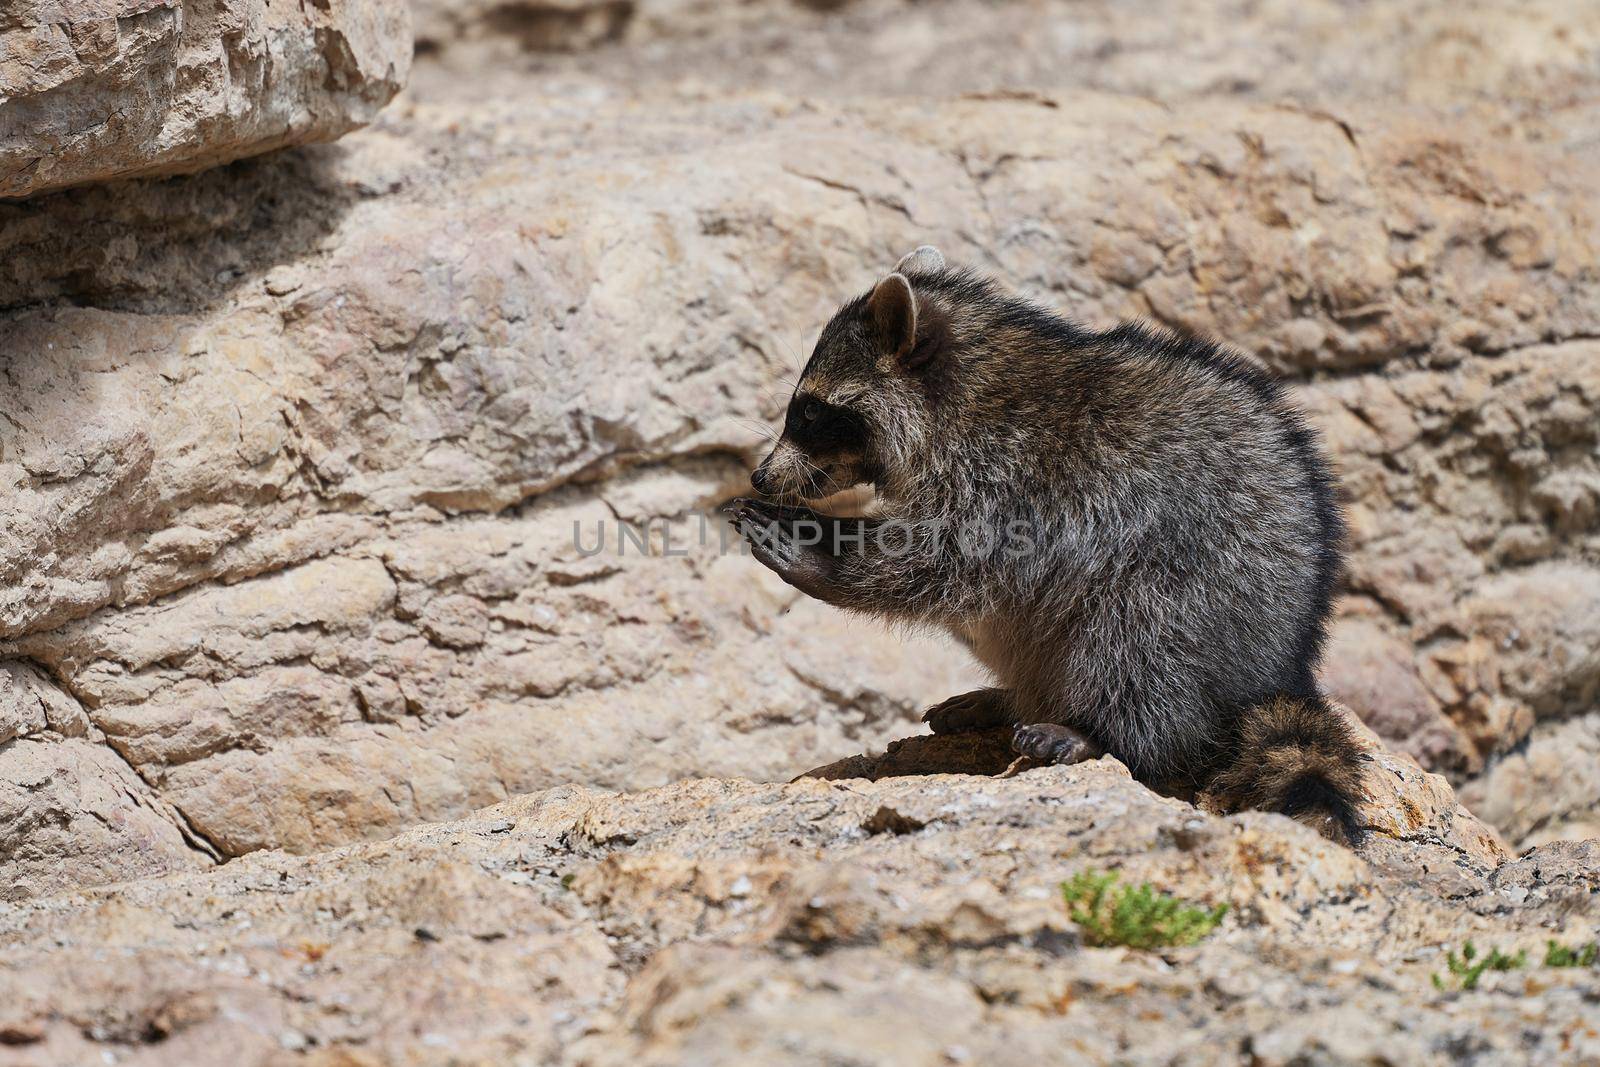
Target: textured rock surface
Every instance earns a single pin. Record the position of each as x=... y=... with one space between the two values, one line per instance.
x=292 y=452
x=732 y=922
x=1537 y=55
x=71 y=807
x=98 y=89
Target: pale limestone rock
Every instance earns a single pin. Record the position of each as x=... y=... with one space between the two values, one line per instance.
x=92 y=90
x=1411 y=818
x=734 y=922
x=1549 y=788
x=72 y=813
x=1447 y=54
x=292 y=453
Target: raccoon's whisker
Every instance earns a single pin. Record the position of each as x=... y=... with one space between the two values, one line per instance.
x=794 y=358
x=777 y=400
x=757 y=427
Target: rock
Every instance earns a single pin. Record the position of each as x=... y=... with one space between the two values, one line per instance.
x=1471 y=623
x=734 y=922
x=562 y=25
x=1545 y=639
x=303 y=460
x=1417 y=831
x=1413 y=823
x=71 y=813
x=1549 y=788
x=31 y=706
x=1565 y=868
x=131 y=88
x=1375 y=670
x=984 y=752
x=1429 y=52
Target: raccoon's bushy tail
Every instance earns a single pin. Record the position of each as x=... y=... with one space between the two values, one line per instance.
x=1298 y=756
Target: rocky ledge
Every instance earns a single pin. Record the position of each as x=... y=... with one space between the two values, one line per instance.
x=98 y=89
x=717 y=921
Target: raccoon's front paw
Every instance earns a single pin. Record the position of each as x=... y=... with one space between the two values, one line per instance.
x=778 y=535
x=767 y=511
x=977 y=710
x=786 y=541
x=1050 y=743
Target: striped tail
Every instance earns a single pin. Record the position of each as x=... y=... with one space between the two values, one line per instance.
x=1298 y=756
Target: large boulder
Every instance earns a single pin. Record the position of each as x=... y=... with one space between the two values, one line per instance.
x=301 y=459
x=294 y=478
x=99 y=89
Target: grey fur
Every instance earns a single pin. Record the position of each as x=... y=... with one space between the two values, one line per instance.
x=1187 y=543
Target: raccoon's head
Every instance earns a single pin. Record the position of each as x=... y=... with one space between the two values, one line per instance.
x=847 y=419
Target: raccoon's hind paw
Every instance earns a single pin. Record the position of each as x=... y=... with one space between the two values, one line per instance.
x=1052 y=743
x=977 y=710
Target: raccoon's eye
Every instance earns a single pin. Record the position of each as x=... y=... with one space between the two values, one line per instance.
x=812 y=411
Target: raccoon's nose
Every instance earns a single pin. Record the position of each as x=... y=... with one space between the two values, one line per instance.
x=761 y=481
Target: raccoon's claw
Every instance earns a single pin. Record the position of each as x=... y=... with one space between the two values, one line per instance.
x=768 y=540
x=1051 y=743
x=977 y=710
x=767 y=511
x=762 y=528
x=777 y=544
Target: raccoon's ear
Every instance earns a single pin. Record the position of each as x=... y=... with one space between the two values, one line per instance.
x=925 y=259
x=912 y=333
x=892 y=309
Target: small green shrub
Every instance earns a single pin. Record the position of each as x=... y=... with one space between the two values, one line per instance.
x=1559 y=955
x=1136 y=916
x=1468 y=967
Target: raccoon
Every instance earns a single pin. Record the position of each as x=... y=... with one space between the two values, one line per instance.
x=1135 y=532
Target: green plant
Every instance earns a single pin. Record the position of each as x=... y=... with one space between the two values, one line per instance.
x=1559 y=955
x=1136 y=916
x=1468 y=967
